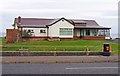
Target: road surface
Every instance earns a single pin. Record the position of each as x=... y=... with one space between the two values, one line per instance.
x=64 y=68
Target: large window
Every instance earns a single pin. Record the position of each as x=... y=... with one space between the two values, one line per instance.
x=87 y=32
x=66 y=31
x=94 y=32
x=81 y=32
x=104 y=32
x=27 y=33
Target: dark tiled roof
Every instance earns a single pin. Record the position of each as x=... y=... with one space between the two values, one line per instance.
x=34 y=22
x=40 y=22
x=88 y=24
x=90 y=27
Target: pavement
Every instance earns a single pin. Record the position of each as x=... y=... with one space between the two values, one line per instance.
x=57 y=59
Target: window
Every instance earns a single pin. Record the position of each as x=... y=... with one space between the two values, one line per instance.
x=30 y=31
x=104 y=32
x=94 y=32
x=27 y=33
x=81 y=32
x=87 y=32
x=66 y=31
x=42 y=31
x=62 y=19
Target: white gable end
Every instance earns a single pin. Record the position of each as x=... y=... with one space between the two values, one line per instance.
x=54 y=30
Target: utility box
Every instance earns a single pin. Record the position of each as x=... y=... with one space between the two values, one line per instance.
x=106 y=49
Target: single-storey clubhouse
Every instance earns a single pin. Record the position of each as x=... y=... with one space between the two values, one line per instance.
x=62 y=28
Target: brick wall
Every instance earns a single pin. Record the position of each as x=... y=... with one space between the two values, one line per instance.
x=76 y=37
x=12 y=35
x=66 y=38
x=93 y=37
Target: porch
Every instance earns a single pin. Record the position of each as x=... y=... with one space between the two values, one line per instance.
x=92 y=34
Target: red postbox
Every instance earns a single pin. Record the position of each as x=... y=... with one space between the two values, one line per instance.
x=106 y=50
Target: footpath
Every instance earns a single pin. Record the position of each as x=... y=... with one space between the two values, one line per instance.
x=57 y=59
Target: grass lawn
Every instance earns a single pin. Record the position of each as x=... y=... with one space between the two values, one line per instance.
x=72 y=45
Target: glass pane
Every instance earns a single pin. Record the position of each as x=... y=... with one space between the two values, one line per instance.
x=81 y=32
x=66 y=31
x=87 y=32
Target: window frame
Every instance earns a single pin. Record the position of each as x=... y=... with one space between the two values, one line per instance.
x=42 y=31
x=87 y=32
x=66 y=31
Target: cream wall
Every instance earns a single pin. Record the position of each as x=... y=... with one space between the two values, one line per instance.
x=54 y=29
x=37 y=31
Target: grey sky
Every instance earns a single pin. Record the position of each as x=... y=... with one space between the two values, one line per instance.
x=105 y=12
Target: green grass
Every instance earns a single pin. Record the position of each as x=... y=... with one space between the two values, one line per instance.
x=73 y=45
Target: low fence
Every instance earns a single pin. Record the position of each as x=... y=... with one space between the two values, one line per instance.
x=53 y=53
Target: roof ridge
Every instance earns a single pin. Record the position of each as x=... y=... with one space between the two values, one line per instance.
x=55 y=19
x=81 y=19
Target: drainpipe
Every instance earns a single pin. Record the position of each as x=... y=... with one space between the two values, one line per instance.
x=19 y=35
x=47 y=32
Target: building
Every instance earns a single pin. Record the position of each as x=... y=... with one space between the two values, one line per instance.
x=39 y=28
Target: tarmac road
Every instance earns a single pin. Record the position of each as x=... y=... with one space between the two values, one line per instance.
x=64 y=68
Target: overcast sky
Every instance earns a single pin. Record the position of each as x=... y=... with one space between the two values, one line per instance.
x=105 y=12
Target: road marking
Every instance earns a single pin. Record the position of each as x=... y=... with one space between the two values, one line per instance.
x=92 y=68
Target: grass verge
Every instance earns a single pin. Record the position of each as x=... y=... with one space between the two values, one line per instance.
x=72 y=45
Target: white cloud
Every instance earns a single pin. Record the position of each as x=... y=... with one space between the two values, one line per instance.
x=36 y=10
x=102 y=9
x=110 y=17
